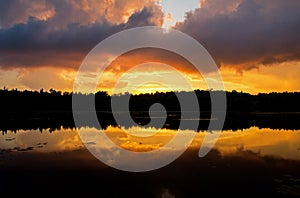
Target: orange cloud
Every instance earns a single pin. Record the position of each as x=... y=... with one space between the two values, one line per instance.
x=62 y=35
x=158 y=60
x=144 y=55
x=169 y=17
x=64 y=12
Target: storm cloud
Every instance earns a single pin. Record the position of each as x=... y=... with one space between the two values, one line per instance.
x=246 y=33
x=242 y=34
x=61 y=33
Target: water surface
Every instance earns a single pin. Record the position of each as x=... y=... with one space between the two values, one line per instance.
x=253 y=161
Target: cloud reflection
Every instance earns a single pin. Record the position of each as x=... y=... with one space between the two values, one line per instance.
x=266 y=142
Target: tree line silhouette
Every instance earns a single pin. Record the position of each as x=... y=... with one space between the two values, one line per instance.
x=44 y=101
x=53 y=109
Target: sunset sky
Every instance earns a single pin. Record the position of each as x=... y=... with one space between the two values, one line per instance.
x=255 y=43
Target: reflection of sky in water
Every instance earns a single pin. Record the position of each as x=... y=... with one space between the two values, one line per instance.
x=282 y=143
x=34 y=140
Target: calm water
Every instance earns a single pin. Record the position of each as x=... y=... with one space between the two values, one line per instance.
x=251 y=161
x=267 y=142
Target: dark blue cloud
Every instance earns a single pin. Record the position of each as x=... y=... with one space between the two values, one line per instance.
x=250 y=34
x=35 y=43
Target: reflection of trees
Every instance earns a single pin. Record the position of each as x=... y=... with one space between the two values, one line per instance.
x=53 y=109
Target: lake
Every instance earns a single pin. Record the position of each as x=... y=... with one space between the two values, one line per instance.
x=251 y=161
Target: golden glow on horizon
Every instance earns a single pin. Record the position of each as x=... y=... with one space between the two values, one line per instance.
x=150 y=88
x=276 y=78
x=152 y=77
x=265 y=79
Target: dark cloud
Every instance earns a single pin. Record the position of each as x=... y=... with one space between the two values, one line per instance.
x=15 y=11
x=60 y=13
x=246 y=33
x=148 y=16
x=38 y=43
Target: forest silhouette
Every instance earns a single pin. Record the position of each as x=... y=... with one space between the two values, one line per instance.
x=53 y=109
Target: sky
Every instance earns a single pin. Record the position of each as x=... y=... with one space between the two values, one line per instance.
x=255 y=43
